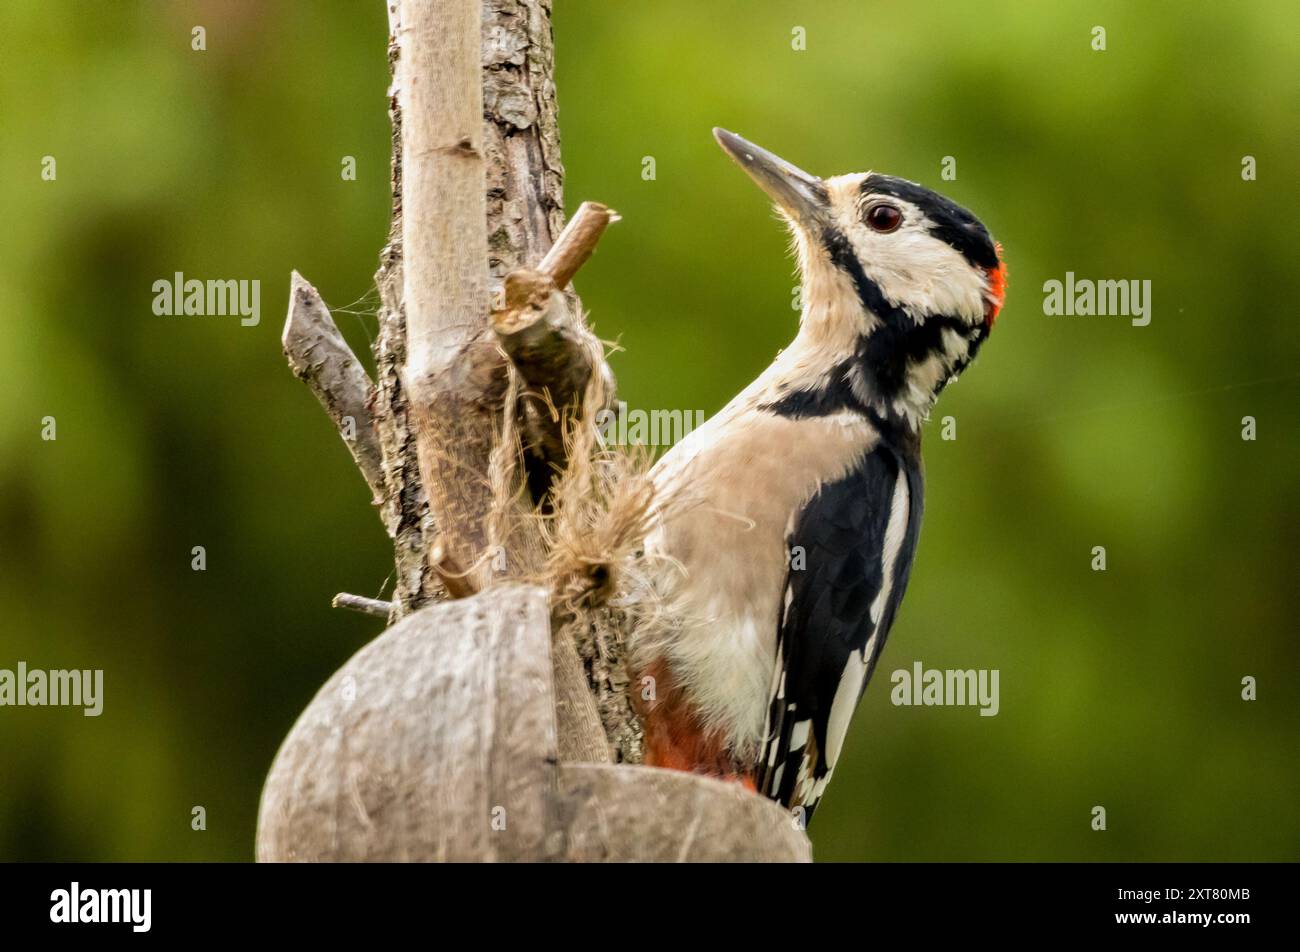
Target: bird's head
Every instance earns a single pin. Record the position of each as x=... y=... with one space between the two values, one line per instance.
x=900 y=285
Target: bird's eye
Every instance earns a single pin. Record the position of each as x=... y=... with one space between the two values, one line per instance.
x=884 y=218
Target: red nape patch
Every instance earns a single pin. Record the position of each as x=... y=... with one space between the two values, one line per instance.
x=997 y=292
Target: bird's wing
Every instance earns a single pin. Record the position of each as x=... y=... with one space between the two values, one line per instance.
x=851 y=550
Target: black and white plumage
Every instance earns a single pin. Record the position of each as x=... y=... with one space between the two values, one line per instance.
x=805 y=492
x=852 y=547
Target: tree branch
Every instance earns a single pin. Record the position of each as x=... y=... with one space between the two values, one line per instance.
x=320 y=357
x=577 y=242
x=549 y=343
x=443 y=202
x=453 y=376
x=359 y=603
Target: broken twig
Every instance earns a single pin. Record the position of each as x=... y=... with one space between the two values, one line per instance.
x=319 y=356
x=552 y=348
x=577 y=242
x=359 y=603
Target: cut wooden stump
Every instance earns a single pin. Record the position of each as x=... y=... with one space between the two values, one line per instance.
x=437 y=742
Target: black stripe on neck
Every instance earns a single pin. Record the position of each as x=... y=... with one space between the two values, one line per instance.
x=844 y=257
x=880 y=359
x=838 y=396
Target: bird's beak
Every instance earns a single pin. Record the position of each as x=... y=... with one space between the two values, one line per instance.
x=800 y=195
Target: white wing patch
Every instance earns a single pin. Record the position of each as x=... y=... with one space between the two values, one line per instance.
x=832 y=645
x=895 y=532
x=858 y=667
x=799 y=734
x=846 y=702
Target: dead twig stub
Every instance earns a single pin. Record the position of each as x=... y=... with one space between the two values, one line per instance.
x=319 y=356
x=577 y=242
x=554 y=351
x=362 y=604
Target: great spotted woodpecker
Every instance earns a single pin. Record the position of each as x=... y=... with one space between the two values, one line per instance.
x=790 y=565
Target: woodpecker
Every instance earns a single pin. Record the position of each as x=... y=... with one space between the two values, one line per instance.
x=790 y=563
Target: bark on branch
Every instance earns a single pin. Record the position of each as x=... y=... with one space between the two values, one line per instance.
x=453 y=379
x=577 y=242
x=320 y=356
x=362 y=604
x=548 y=342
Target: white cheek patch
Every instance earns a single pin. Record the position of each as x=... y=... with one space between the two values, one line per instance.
x=915 y=271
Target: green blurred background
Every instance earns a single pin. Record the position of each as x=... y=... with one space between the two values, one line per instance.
x=1118 y=688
